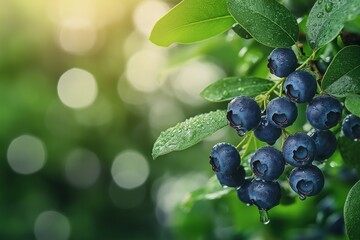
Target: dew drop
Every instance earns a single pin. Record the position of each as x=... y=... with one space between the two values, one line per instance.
x=320 y=15
x=329 y=7
x=264 y=216
x=240 y=131
x=320 y=1
x=225 y=93
x=302 y=197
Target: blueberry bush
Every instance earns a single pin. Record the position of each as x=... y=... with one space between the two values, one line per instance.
x=292 y=98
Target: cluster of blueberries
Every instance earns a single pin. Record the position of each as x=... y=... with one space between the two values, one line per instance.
x=299 y=150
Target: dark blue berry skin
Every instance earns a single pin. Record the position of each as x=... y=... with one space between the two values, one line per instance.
x=234 y=179
x=265 y=195
x=299 y=150
x=300 y=86
x=267 y=132
x=224 y=158
x=306 y=181
x=281 y=112
x=267 y=163
x=351 y=127
x=282 y=62
x=325 y=142
x=324 y=112
x=243 y=192
x=335 y=224
x=243 y=114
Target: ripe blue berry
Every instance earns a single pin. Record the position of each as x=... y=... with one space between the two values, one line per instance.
x=265 y=195
x=267 y=132
x=306 y=181
x=244 y=114
x=234 y=179
x=324 y=112
x=224 y=158
x=282 y=62
x=351 y=127
x=281 y=112
x=243 y=192
x=300 y=86
x=299 y=150
x=325 y=142
x=335 y=224
x=267 y=163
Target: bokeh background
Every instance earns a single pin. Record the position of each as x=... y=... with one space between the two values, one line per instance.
x=83 y=96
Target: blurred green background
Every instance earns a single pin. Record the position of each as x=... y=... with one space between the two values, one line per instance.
x=84 y=95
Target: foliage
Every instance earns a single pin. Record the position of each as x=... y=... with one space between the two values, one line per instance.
x=269 y=23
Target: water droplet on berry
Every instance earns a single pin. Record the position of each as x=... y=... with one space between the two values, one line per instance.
x=240 y=131
x=264 y=216
x=302 y=197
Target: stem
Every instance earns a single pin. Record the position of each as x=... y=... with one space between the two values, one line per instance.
x=318 y=88
x=242 y=141
x=247 y=146
x=312 y=56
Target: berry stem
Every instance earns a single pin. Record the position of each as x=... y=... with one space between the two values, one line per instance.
x=242 y=141
x=312 y=57
x=247 y=145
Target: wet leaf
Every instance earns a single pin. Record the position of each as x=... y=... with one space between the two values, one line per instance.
x=228 y=88
x=327 y=18
x=212 y=190
x=189 y=132
x=350 y=152
x=352 y=103
x=267 y=21
x=191 y=21
x=352 y=212
x=342 y=77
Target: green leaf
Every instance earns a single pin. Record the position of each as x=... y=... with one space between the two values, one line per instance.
x=267 y=21
x=191 y=21
x=212 y=190
x=342 y=77
x=352 y=103
x=352 y=212
x=240 y=31
x=350 y=152
x=327 y=18
x=189 y=132
x=228 y=88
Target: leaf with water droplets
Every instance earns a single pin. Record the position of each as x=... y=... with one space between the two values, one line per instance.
x=212 y=190
x=267 y=21
x=352 y=104
x=352 y=212
x=191 y=21
x=342 y=77
x=350 y=152
x=327 y=18
x=228 y=88
x=189 y=132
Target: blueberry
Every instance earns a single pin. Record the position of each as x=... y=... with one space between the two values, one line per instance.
x=335 y=224
x=281 y=112
x=306 y=181
x=324 y=112
x=282 y=62
x=265 y=195
x=267 y=132
x=300 y=86
x=325 y=142
x=234 y=179
x=224 y=158
x=351 y=127
x=299 y=150
x=244 y=114
x=267 y=163
x=243 y=192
